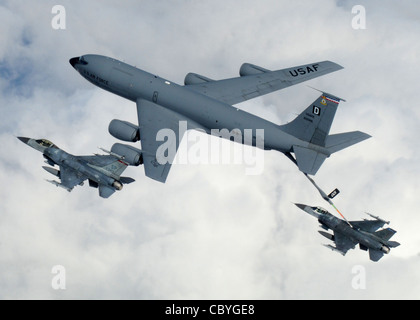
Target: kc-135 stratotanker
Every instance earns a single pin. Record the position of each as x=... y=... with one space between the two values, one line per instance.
x=207 y=105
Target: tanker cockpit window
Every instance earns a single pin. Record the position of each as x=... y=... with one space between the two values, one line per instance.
x=82 y=61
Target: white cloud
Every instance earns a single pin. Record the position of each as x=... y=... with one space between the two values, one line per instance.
x=211 y=232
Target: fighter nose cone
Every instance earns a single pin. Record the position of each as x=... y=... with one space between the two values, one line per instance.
x=300 y=206
x=23 y=139
x=74 y=61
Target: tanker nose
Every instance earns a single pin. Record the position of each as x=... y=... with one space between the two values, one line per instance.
x=78 y=61
x=74 y=61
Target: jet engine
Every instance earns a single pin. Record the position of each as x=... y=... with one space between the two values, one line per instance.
x=248 y=69
x=132 y=156
x=193 y=78
x=124 y=130
x=117 y=185
x=385 y=249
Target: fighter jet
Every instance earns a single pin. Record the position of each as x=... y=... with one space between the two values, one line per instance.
x=207 y=105
x=347 y=234
x=102 y=171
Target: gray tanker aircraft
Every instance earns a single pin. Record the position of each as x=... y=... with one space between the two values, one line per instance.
x=102 y=171
x=347 y=234
x=207 y=105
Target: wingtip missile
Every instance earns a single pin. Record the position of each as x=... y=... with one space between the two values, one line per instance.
x=334 y=249
x=378 y=218
x=58 y=184
x=112 y=153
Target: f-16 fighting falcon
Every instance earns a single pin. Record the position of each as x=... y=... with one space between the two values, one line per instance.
x=207 y=105
x=102 y=171
x=347 y=234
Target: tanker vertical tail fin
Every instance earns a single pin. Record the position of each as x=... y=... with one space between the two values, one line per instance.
x=313 y=125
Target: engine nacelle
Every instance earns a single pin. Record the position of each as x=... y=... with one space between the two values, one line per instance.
x=248 y=69
x=132 y=156
x=124 y=130
x=193 y=78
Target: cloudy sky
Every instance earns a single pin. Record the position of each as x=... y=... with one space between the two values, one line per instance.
x=212 y=231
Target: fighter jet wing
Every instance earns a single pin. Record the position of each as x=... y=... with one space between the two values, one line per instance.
x=259 y=81
x=99 y=160
x=160 y=138
x=343 y=243
x=70 y=178
x=368 y=225
x=108 y=163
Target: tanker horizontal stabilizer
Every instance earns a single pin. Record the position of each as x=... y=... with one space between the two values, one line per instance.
x=337 y=142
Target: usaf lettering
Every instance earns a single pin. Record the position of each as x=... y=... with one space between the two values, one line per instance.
x=302 y=71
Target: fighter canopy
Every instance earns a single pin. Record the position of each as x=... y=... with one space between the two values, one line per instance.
x=46 y=143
